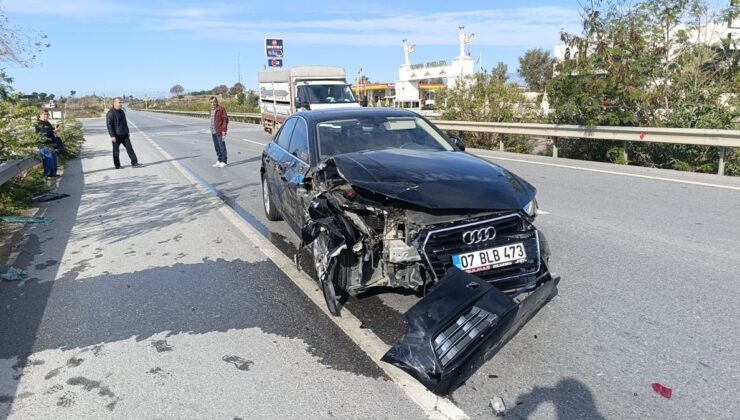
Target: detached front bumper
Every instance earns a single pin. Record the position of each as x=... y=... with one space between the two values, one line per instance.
x=458 y=326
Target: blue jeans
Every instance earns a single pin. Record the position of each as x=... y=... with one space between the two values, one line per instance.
x=220 y=145
x=49 y=160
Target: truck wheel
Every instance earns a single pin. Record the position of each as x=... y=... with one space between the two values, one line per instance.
x=270 y=210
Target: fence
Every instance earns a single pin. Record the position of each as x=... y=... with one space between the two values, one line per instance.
x=12 y=168
x=724 y=139
x=248 y=118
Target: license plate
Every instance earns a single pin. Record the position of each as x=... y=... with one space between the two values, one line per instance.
x=487 y=259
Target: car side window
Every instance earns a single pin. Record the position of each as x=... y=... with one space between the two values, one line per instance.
x=283 y=137
x=299 y=141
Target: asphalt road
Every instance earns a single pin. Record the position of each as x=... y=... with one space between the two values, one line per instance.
x=649 y=286
x=648 y=294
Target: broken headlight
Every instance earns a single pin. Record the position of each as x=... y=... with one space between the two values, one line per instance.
x=531 y=208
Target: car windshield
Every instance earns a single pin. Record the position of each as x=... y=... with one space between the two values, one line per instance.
x=329 y=94
x=377 y=133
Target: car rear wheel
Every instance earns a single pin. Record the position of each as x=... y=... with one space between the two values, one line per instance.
x=270 y=210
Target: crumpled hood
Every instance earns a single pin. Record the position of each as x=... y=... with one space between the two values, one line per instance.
x=435 y=180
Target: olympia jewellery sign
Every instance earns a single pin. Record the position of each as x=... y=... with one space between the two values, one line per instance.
x=440 y=63
x=273 y=48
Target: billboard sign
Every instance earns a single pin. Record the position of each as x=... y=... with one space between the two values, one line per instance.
x=273 y=48
x=275 y=62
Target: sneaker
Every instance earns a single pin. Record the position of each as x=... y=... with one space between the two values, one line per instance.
x=215 y=165
x=137 y=165
x=222 y=164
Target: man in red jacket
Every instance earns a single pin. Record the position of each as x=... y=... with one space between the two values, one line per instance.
x=219 y=123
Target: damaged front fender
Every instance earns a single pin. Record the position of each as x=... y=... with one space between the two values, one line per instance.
x=328 y=233
x=459 y=325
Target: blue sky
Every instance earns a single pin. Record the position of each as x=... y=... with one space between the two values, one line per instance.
x=145 y=47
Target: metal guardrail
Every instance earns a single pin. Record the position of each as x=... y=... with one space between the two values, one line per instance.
x=12 y=168
x=241 y=117
x=724 y=139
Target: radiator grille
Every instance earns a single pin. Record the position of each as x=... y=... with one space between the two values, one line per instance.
x=441 y=244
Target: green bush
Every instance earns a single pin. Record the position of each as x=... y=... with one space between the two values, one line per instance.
x=72 y=137
x=616 y=155
x=680 y=165
x=16 y=195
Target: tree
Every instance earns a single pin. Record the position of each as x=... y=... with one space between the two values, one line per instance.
x=253 y=99
x=500 y=73
x=485 y=97
x=236 y=89
x=177 y=90
x=220 y=90
x=535 y=67
x=641 y=65
x=18 y=47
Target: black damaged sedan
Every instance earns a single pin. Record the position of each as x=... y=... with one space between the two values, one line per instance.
x=384 y=198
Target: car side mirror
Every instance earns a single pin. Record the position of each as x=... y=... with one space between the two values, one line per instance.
x=458 y=143
x=304 y=186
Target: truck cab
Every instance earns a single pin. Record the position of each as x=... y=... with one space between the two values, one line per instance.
x=305 y=88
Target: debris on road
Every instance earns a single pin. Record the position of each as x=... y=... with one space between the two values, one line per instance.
x=13 y=274
x=25 y=219
x=664 y=391
x=48 y=196
x=454 y=329
x=498 y=406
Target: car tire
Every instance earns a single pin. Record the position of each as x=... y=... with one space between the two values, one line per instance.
x=267 y=203
x=335 y=286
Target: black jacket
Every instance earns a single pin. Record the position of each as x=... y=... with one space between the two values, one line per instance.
x=116 y=122
x=47 y=130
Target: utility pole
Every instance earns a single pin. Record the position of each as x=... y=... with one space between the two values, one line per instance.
x=239 y=68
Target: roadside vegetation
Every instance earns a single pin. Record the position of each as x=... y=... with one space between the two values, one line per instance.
x=18 y=113
x=652 y=63
x=235 y=99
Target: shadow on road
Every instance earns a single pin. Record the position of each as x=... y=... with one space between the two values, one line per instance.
x=23 y=305
x=571 y=399
x=158 y=204
x=124 y=159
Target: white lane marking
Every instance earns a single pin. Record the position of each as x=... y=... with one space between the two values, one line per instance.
x=255 y=142
x=542 y=212
x=603 y=171
x=434 y=406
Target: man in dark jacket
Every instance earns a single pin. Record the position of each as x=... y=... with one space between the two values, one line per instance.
x=118 y=131
x=219 y=124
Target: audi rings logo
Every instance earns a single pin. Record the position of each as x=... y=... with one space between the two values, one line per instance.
x=478 y=235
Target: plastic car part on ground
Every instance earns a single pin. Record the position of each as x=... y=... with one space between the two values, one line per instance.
x=13 y=274
x=25 y=219
x=663 y=390
x=48 y=196
x=458 y=326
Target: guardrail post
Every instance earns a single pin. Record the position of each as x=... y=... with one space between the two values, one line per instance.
x=500 y=144
x=554 y=147
x=624 y=152
x=722 y=153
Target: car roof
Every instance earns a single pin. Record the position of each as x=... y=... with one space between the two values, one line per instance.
x=331 y=114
